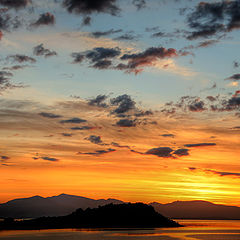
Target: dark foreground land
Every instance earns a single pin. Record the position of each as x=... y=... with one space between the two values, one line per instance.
x=137 y=215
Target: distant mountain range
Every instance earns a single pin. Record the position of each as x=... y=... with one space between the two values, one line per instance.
x=197 y=210
x=64 y=204
x=60 y=205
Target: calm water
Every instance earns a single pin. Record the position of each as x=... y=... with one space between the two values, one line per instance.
x=193 y=230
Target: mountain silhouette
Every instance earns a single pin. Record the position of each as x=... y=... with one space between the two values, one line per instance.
x=38 y=206
x=64 y=204
x=197 y=210
x=126 y=215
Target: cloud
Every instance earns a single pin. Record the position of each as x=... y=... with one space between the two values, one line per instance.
x=168 y=135
x=67 y=134
x=74 y=120
x=99 y=34
x=39 y=50
x=181 y=152
x=236 y=64
x=5 y=76
x=124 y=104
x=118 y=145
x=21 y=58
x=51 y=159
x=5 y=83
x=98 y=101
x=139 y=4
x=200 y=145
x=137 y=61
x=44 y=19
x=4 y=158
x=99 y=152
x=126 y=123
x=127 y=37
x=95 y=139
x=209 y=19
x=197 y=106
x=223 y=174
x=82 y=128
x=16 y=4
x=219 y=173
x=234 y=77
x=15 y=67
x=86 y=21
x=88 y=7
x=161 y=152
x=49 y=115
x=96 y=54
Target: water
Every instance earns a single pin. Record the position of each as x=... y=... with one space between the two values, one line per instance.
x=193 y=230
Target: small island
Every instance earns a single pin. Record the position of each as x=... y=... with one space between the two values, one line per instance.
x=127 y=215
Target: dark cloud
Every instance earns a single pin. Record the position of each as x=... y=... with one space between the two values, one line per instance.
x=104 y=58
x=15 y=67
x=192 y=168
x=234 y=77
x=98 y=101
x=168 y=135
x=211 y=98
x=118 y=145
x=102 y=64
x=161 y=152
x=95 y=139
x=124 y=104
x=98 y=57
x=21 y=58
x=127 y=37
x=200 y=145
x=139 y=4
x=16 y=4
x=51 y=159
x=74 y=120
x=126 y=123
x=44 y=19
x=91 y=6
x=197 y=106
x=78 y=57
x=82 y=128
x=236 y=64
x=5 y=82
x=8 y=22
x=86 y=21
x=181 y=152
x=146 y=58
x=99 y=152
x=39 y=50
x=209 y=19
x=4 y=158
x=152 y=29
x=99 y=34
x=223 y=174
x=5 y=76
x=67 y=134
x=49 y=115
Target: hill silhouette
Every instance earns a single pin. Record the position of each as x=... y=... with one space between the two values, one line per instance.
x=197 y=210
x=127 y=215
x=38 y=206
x=64 y=204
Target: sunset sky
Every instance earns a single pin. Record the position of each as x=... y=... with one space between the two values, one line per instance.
x=137 y=100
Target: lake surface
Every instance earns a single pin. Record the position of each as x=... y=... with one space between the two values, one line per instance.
x=192 y=230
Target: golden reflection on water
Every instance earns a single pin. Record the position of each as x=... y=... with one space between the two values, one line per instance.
x=192 y=230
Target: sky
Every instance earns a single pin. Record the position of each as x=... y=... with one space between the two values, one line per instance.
x=137 y=100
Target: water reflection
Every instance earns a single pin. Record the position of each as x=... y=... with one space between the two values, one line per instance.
x=192 y=230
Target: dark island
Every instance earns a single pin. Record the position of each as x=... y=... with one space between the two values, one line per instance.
x=130 y=215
